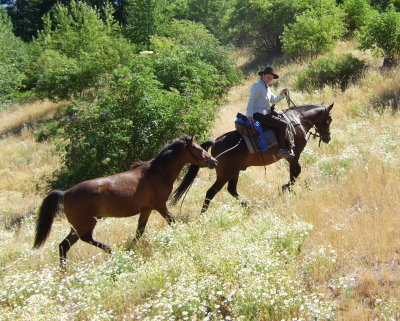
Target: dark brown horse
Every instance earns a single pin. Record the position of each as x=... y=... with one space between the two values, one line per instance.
x=234 y=156
x=141 y=189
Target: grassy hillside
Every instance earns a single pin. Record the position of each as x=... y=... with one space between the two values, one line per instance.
x=329 y=250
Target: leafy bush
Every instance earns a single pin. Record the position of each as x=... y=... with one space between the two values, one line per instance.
x=213 y=14
x=13 y=57
x=144 y=19
x=331 y=70
x=74 y=49
x=196 y=55
x=132 y=119
x=382 y=34
x=315 y=31
x=261 y=23
x=139 y=108
x=357 y=13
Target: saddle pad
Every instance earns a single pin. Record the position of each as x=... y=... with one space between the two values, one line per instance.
x=253 y=142
x=257 y=139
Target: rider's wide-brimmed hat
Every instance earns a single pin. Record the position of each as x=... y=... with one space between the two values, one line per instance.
x=268 y=70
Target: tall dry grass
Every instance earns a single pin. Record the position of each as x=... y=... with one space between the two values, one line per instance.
x=25 y=164
x=25 y=115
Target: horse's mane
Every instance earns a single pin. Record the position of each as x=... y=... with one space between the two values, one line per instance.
x=305 y=107
x=168 y=148
x=137 y=164
x=164 y=153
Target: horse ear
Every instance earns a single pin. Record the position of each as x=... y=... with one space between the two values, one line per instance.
x=191 y=141
x=330 y=107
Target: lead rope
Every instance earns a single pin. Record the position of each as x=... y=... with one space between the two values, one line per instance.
x=229 y=149
x=254 y=147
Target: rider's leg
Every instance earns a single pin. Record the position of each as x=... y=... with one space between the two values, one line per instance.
x=275 y=122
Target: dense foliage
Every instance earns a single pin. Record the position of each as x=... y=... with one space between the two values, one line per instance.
x=333 y=69
x=213 y=14
x=261 y=23
x=13 y=58
x=132 y=119
x=74 y=48
x=174 y=89
x=357 y=13
x=382 y=33
x=315 y=31
x=193 y=54
x=144 y=18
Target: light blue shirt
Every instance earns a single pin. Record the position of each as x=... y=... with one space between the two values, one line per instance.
x=260 y=99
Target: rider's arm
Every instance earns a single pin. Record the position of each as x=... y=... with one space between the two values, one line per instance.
x=276 y=99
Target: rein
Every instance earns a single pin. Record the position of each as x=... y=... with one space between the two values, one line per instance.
x=316 y=133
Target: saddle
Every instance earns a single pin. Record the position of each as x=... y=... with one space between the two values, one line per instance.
x=257 y=139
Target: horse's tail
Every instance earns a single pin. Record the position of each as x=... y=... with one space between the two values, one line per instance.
x=189 y=177
x=48 y=210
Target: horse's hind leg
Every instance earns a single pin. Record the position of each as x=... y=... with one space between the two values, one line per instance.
x=212 y=191
x=88 y=236
x=65 y=245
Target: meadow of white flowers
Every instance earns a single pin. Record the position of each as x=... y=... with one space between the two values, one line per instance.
x=225 y=265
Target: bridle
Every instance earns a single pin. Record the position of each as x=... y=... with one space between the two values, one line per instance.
x=317 y=132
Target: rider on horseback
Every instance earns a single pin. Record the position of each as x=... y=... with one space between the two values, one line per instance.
x=259 y=108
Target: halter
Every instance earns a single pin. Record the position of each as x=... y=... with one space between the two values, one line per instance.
x=193 y=155
x=316 y=133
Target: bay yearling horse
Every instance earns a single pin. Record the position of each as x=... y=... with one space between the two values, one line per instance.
x=233 y=155
x=146 y=186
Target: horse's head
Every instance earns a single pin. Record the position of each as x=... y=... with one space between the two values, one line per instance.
x=199 y=155
x=323 y=123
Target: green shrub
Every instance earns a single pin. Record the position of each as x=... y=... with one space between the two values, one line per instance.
x=13 y=57
x=315 y=31
x=331 y=70
x=144 y=19
x=132 y=119
x=74 y=49
x=382 y=34
x=260 y=23
x=213 y=14
x=193 y=54
x=357 y=13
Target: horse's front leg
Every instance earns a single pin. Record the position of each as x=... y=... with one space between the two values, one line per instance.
x=212 y=191
x=232 y=189
x=295 y=170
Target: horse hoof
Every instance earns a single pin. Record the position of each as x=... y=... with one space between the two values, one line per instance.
x=285 y=187
x=244 y=204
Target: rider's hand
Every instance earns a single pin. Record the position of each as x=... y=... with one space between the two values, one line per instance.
x=284 y=92
x=250 y=119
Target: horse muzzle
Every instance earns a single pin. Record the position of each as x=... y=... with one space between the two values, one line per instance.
x=326 y=138
x=211 y=163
